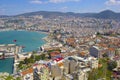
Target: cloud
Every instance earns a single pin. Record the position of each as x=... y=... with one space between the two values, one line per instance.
x=112 y=2
x=36 y=2
x=51 y=1
x=64 y=9
x=62 y=1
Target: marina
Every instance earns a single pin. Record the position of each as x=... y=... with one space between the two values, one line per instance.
x=6 y=65
x=19 y=42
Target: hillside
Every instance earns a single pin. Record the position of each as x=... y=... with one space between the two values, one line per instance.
x=107 y=14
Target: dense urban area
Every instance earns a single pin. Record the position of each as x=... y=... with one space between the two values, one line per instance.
x=77 y=48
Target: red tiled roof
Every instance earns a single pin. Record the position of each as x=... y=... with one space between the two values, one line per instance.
x=111 y=49
x=28 y=71
x=55 y=53
x=58 y=59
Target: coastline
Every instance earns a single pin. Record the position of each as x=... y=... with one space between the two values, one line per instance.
x=14 y=67
x=24 y=30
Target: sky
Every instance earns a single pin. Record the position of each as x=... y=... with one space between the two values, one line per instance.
x=14 y=7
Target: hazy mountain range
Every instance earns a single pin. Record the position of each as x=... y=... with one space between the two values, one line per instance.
x=107 y=14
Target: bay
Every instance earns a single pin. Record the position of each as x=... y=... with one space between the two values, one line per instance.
x=30 y=40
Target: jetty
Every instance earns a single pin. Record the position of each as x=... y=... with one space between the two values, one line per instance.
x=9 y=50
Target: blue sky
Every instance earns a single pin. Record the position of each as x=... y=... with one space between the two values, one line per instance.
x=13 y=7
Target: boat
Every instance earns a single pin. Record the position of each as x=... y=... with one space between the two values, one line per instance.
x=2 y=57
x=15 y=40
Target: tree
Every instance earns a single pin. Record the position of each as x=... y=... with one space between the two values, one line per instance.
x=32 y=56
x=26 y=61
x=37 y=58
x=9 y=78
x=105 y=55
x=112 y=65
x=20 y=64
x=18 y=78
x=43 y=56
x=34 y=52
x=30 y=60
x=98 y=33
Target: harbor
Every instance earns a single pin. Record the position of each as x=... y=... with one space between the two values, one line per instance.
x=9 y=50
x=8 y=53
x=17 y=46
x=6 y=65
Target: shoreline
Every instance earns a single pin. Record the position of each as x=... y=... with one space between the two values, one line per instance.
x=40 y=32
x=14 y=61
x=24 y=30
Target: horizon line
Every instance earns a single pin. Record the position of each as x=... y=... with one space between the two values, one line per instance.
x=58 y=11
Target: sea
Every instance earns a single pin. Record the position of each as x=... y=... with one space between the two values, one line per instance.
x=6 y=65
x=30 y=40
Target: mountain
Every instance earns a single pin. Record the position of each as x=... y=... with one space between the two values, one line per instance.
x=49 y=14
x=107 y=14
x=3 y=16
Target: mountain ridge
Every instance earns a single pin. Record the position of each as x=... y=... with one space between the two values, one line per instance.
x=106 y=14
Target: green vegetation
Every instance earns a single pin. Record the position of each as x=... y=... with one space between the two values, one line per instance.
x=107 y=34
x=9 y=78
x=102 y=72
x=112 y=65
x=28 y=62
x=99 y=34
x=18 y=78
x=105 y=55
x=52 y=51
x=6 y=77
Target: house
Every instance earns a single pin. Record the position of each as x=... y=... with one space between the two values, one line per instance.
x=117 y=59
x=111 y=53
x=27 y=74
x=94 y=63
x=81 y=75
x=56 y=72
x=116 y=74
x=54 y=54
x=95 y=51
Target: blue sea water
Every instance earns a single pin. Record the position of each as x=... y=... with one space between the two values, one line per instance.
x=6 y=65
x=31 y=41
